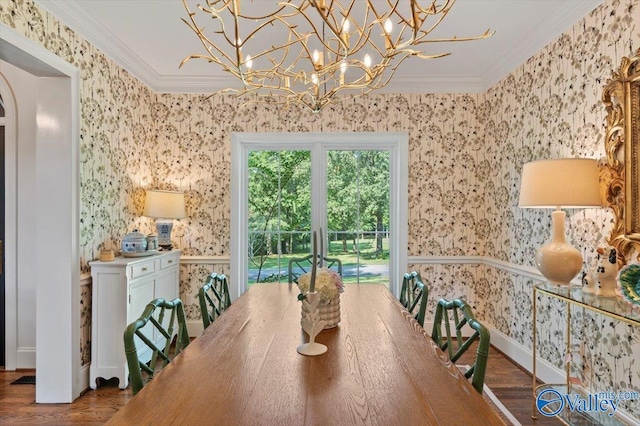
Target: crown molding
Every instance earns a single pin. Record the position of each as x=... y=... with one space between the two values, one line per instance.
x=72 y=15
x=94 y=32
x=571 y=12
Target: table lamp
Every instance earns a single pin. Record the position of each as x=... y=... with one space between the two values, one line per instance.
x=563 y=183
x=164 y=206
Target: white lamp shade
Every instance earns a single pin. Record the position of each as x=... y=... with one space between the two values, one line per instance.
x=566 y=182
x=164 y=204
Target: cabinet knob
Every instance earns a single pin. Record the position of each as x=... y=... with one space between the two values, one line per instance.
x=170 y=261
x=144 y=269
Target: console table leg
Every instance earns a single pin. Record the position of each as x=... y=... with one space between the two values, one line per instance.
x=534 y=415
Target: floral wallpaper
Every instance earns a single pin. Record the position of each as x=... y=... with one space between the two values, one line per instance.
x=447 y=165
x=466 y=155
x=550 y=107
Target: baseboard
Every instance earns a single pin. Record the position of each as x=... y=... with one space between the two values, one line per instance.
x=26 y=358
x=545 y=371
x=84 y=378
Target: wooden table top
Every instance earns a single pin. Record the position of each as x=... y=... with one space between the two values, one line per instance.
x=380 y=368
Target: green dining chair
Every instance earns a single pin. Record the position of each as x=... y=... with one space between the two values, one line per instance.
x=214 y=298
x=149 y=348
x=301 y=265
x=454 y=344
x=414 y=294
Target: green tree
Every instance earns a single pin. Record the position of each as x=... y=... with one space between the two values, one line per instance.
x=374 y=193
x=342 y=185
x=279 y=201
x=358 y=190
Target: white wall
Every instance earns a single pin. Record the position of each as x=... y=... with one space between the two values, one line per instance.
x=24 y=86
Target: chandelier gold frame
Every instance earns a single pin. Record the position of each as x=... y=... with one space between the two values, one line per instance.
x=327 y=50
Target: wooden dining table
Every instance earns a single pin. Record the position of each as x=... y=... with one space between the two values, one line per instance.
x=381 y=368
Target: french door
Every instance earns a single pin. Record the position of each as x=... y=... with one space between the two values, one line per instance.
x=353 y=186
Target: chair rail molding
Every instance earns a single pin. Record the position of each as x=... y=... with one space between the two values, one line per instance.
x=527 y=271
x=205 y=260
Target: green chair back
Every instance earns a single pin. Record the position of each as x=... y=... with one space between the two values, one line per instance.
x=301 y=265
x=214 y=298
x=149 y=348
x=461 y=314
x=414 y=294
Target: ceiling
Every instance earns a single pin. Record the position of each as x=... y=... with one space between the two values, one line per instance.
x=149 y=39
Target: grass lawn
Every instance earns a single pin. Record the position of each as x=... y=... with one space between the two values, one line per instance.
x=349 y=259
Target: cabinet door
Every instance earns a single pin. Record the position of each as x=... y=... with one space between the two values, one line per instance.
x=167 y=284
x=141 y=292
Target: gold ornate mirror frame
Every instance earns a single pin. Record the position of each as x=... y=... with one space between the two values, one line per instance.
x=621 y=173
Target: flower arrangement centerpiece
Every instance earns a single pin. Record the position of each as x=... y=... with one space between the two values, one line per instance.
x=329 y=284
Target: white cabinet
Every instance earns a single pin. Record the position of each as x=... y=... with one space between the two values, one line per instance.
x=120 y=291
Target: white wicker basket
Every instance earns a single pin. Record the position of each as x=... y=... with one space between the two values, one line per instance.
x=330 y=312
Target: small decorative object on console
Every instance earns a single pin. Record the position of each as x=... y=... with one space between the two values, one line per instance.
x=603 y=281
x=607 y=272
x=629 y=277
x=106 y=255
x=134 y=242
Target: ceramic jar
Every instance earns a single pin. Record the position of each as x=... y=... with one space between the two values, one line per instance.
x=152 y=242
x=134 y=242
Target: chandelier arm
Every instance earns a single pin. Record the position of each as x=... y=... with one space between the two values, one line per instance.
x=270 y=21
x=211 y=9
x=314 y=28
x=215 y=14
x=433 y=9
x=380 y=20
x=208 y=44
x=236 y=40
x=225 y=67
x=338 y=68
x=260 y=18
x=420 y=34
x=276 y=48
x=211 y=57
x=486 y=34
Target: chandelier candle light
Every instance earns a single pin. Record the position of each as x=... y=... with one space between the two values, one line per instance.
x=306 y=51
x=562 y=183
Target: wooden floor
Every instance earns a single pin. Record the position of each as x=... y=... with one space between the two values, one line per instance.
x=507 y=381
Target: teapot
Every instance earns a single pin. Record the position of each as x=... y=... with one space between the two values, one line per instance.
x=134 y=242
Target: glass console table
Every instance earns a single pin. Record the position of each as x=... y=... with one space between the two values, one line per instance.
x=613 y=307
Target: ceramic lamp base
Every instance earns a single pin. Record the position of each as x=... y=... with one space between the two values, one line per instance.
x=164 y=227
x=558 y=260
x=311 y=349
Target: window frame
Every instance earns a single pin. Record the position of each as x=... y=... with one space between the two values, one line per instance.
x=319 y=144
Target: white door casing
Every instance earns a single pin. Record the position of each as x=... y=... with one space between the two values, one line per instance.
x=318 y=143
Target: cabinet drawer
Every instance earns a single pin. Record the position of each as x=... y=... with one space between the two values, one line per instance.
x=169 y=261
x=141 y=269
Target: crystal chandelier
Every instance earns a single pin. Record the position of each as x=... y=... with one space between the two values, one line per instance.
x=307 y=51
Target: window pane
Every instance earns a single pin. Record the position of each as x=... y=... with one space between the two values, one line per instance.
x=358 y=213
x=279 y=211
